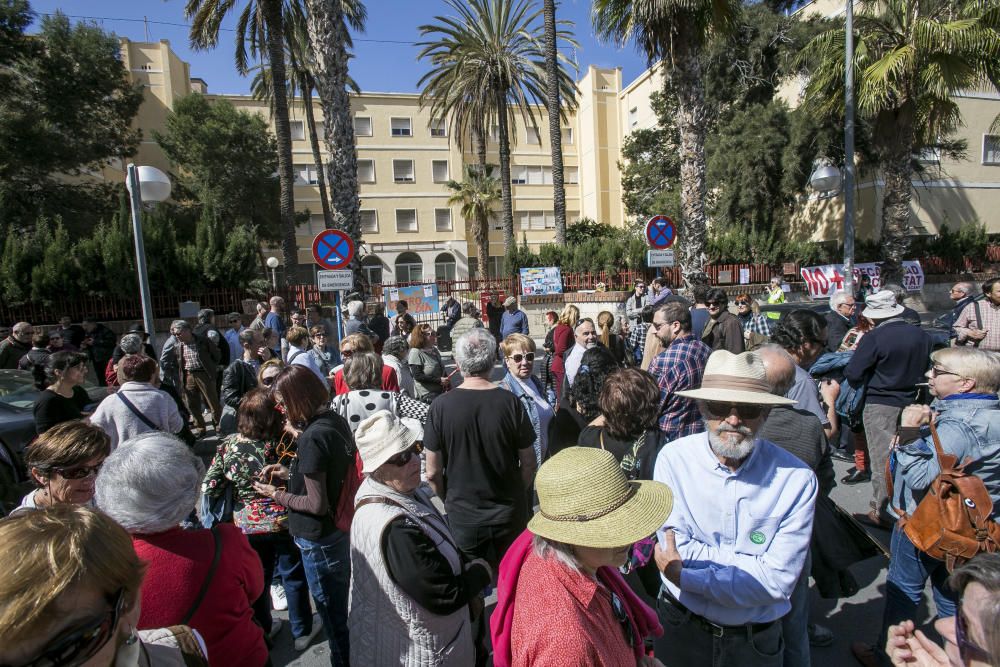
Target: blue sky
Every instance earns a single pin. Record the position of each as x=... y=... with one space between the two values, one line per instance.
x=385 y=58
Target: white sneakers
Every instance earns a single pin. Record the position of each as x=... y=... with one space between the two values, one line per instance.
x=303 y=642
x=278 y=600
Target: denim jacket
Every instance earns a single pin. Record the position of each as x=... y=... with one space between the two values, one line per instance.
x=969 y=429
x=513 y=386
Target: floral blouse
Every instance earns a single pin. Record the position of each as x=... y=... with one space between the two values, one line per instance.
x=238 y=460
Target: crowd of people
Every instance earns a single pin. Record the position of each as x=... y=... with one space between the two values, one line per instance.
x=647 y=486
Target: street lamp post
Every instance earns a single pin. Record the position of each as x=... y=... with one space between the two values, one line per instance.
x=151 y=185
x=272 y=263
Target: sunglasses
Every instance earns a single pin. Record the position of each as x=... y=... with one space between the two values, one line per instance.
x=967 y=648
x=619 y=609
x=937 y=370
x=78 y=472
x=403 y=458
x=713 y=303
x=346 y=353
x=518 y=358
x=717 y=410
x=740 y=302
x=77 y=646
x=268 y=381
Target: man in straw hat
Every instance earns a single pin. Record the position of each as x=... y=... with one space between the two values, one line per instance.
x=733 y=548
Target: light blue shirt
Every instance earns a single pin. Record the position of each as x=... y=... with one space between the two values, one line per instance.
x=233 y=338
x=743 y=535
x=299 y=357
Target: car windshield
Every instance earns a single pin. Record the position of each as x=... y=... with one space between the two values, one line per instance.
x=17 y=389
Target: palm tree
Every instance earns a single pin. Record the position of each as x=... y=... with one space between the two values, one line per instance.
x=477 y=193
x=261 y=23
x=911 y=58
x=554 y=112
x=676 y=32
x=330 y=42
x=489 y=60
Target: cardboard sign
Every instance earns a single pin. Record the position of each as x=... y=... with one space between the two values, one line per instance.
x=419 y=298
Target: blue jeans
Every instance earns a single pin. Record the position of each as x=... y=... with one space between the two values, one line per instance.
x=909 y=570
x=282 y=562
x=795 y=624
x=327 y=563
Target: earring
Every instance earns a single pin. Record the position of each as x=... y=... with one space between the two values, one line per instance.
x=128 y=653
x=132 y=637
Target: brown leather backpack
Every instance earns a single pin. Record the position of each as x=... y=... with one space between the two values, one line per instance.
x=951 y=523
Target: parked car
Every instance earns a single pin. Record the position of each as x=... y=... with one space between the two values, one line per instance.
x=17 y=399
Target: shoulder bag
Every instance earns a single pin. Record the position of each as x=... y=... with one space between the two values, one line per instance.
x=208 y=577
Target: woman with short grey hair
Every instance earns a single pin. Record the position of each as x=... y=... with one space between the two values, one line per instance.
x=476 y=353
x=394 y=353
x=205 y=579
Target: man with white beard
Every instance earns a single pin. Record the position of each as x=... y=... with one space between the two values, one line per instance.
x=736 y=541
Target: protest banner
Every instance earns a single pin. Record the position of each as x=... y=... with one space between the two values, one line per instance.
x=823 y=281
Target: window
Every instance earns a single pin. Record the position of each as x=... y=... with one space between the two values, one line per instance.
x=534 y=220
x=494 y=267
x=406 y=220
x=532 y=136
x=438 y=127
x=567 y=135
x=369 y=221
x=305 y=174
x=409 y=268
x=298 y=130
x=372 y=267
x=444 y=267
x=313 y=226
x=362 y=126
x=991 y=149
x=366 y=171
x=439 y=169
x=571 y=175
x=531 y=175
x=930 y=156
x=401 y=127
x=402 y=171
x=442 y=219
x=633 y=116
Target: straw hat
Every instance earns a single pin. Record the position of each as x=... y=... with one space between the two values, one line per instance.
x=586 y=500
x=380 y=437
x=735 y=378
x=881 y=305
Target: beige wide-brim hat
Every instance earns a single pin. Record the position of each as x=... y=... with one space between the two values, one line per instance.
x=382 y=436
x=881 y=306
x=585 y=500
x=735 y=378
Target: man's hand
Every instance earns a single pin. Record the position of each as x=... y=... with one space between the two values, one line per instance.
x=829 y=390
x=916 y=415
x=668 y=559
x=977 y=334
x=906 y=646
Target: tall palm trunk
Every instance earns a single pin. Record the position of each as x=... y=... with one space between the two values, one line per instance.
x=480 y=139
x=328 y=38
x=685 y=82
x=307 y=100
x=555 y=130
x=508 y=206
x=283 y=135
x=481 y=225
x=896 y=135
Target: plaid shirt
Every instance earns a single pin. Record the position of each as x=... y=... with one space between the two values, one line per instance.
x=637 y=339
x=680 y=368
x=755 y=324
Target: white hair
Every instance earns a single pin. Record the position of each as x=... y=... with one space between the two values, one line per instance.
x=837 y=299
x=354 y=308
x=150 y=483
x=546 y=548
x=476 y=352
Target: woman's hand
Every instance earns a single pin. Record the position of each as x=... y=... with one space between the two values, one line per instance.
x=829 y=390
x=266 y=490
x=269 y=472
x=916 y=415
x=907 y=646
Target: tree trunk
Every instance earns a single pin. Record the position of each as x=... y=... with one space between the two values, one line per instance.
x=481 y=225
x=508 y=207
x=685 y=80
x=328 y=40
x=283 y=134
x=555 y=129
x=480 y=149
x=896 y=136
x=307 y=100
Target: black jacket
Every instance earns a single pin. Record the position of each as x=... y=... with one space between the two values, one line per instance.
x=102 y=347
x=214 y=337
x=836 y=328
x=894 y=355
x=238 y=379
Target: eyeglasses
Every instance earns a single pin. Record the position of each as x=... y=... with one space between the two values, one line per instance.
x=967 y=648
x=657 y=325
x=518 y=358
x=403 y=458
x=937 y=370
x=619 y=609
x=78 y=472
x=77 y=646
x=713 y=303
x=717 y=410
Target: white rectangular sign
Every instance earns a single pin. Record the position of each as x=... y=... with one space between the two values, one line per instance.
x=660 y=258
x=823 y=281
x=331 y=281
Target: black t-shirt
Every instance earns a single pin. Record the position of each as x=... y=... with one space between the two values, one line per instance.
x=52 y=409
x=325 y=446
x=652 y=440
x=478 y=435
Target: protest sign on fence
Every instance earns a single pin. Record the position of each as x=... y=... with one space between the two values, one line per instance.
x=421 y=299
x=541 y=280
x=824 y=280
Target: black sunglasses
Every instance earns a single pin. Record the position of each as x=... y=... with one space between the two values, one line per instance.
x=403 y=458
x=968 y=649
x=717 y=410
x=713 y=303
x=741 y=302
x=78 y=472
x=619 y=609
x=268 y=381
x=79 y=645
x=518 y=358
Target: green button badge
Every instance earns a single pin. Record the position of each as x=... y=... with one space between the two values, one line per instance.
x=757 y=537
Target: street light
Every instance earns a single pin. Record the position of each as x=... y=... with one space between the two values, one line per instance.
x=272 y=263
x=145 y=184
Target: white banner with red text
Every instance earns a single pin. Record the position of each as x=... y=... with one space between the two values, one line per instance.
x=823 y=281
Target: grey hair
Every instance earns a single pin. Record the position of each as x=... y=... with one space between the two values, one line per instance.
x=131 y=343
x=984 y=570
x=205 y=314
x=469 y=309
x=150 y=483
x=966 y=288
x=179 y=325
x=394 y=345
x=354 y=308
x=781 y=378
x=560 y=551
x=837 y=299
x=476 y=352
x=246 y=336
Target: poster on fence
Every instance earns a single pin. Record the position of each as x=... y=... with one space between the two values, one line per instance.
x=823 y=281
x=543 y=280
x=421 y=299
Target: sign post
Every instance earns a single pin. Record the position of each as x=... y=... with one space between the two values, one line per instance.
x=333 y=250
x=659 y=258
x=660 y=235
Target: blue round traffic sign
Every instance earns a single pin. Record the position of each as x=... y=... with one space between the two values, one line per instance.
x=333 y=249
x=660 y=232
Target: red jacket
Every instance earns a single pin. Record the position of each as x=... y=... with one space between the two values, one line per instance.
x=177 y=564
